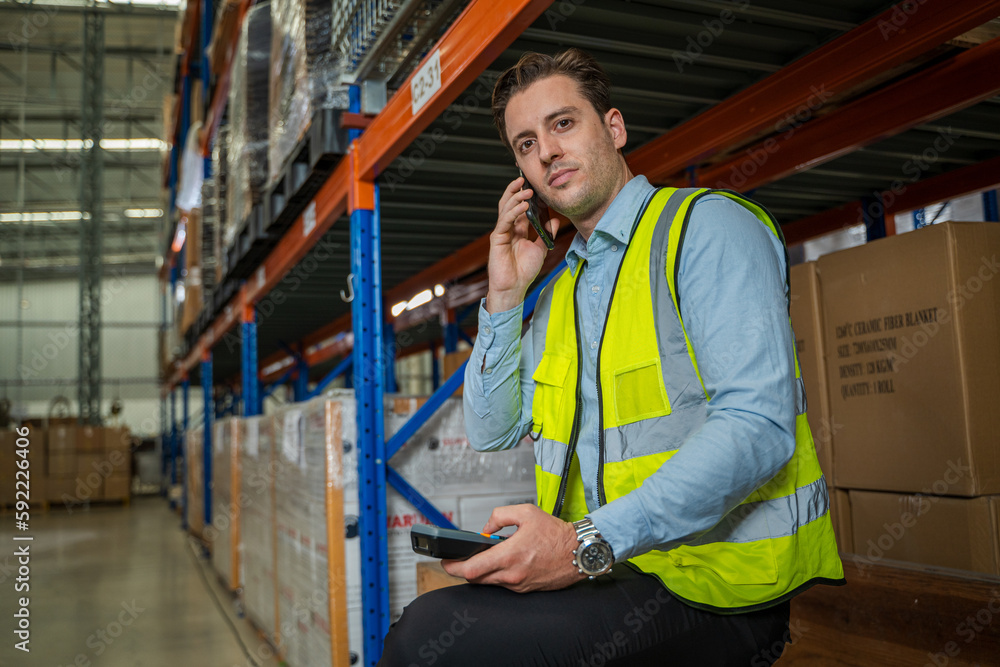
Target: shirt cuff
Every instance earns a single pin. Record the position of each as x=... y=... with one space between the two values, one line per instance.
x=498 y=334
x=623 y=525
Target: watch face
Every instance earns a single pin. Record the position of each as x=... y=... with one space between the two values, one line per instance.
x=595 y=558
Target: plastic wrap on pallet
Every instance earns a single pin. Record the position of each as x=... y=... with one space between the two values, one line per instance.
x=194 y=461
x=225 y=529
x=305 y=74
x=257 y=524
x=220 y=176
x=248 y=117
x=437 y=461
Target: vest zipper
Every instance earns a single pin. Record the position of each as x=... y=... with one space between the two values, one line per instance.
x=575 y=431
x=601 y=497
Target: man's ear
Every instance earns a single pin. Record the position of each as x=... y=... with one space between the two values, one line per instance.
x=616 y=126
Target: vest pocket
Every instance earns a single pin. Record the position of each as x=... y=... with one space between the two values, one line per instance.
x=734 y=563
x=550 y=378
x=639 y=392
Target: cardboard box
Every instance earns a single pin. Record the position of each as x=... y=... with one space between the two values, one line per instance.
x=941 y=531
x=91 y=464
x=911 y=326
x=840 y=515
x=60 y=438
x=451 y=362
x=116 y=439
x=62 y=464
x=431 y=576
x=61 y=490
x=807 y=322
x=90 y=439
x=117 y=487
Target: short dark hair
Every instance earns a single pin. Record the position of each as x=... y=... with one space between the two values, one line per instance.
x=577 y=64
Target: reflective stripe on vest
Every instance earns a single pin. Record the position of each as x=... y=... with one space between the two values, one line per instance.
x=651 y=399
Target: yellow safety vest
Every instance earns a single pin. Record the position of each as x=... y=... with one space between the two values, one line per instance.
x=777 y=542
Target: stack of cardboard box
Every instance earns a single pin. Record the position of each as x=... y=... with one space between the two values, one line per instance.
x=86 y=463
x=911 y=329
x=61 y=452
x=9 y=467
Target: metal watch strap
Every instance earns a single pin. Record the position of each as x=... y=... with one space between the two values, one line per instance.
x=585 y=528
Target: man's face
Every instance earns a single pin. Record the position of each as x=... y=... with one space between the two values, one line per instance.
x=567 y=151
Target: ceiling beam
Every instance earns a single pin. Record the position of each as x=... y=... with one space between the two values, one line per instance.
x=832 y=71
x=957 y=83
x=901 y=197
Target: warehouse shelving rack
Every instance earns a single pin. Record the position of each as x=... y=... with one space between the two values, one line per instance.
x=475 y=39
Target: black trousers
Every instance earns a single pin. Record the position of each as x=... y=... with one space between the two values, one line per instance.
x=622 y=618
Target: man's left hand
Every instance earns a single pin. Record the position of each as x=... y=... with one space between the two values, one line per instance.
x=538 y=557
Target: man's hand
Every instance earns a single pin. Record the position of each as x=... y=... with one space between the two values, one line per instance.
x=538 y=557
x=514 y=260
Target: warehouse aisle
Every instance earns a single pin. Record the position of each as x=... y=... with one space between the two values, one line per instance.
x=117 y=586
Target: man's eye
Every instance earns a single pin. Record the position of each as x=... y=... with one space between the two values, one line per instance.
x=564 y=123
x=526 y=145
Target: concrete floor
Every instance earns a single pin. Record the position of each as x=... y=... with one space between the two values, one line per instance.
x=119 y=586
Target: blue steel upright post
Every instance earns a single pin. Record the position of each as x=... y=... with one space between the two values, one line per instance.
x=251 y=405
x=206 y=450
x=366 y=312
x=182 y=447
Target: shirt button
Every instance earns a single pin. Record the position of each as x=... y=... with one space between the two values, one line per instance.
x=614 y=248
x=487 y=330
x=593 y=345
x=488 y=371
x=595 y=289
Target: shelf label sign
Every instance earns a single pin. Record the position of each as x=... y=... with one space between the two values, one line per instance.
x=426 y=81
x=309 y=218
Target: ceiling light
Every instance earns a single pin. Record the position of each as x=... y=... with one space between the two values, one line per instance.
x=143 y=212
x=398 y=308
x=419 y=299
x=439 y=290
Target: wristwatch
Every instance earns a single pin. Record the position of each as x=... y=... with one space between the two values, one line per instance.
x=594 y=556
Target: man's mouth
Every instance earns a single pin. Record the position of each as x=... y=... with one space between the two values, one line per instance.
x=560 y=177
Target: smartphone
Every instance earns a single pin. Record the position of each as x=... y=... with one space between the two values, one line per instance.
x=534 y=217
x=449 y=543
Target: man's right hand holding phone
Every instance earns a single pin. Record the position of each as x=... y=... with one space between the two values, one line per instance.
x=514 y=259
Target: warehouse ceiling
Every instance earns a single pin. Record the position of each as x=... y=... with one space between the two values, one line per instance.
x=41 y=88
x=441 y=194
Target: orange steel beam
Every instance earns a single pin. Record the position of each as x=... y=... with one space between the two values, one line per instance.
x=900 y=197
x=889 y=40
x=473 y=41
x=957 y=83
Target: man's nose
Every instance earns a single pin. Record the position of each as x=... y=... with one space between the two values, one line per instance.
x=549 y=149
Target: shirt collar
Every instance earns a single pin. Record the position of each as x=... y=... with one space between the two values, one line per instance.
x=615 y=226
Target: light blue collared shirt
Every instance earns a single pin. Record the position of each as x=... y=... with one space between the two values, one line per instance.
x=734 y=299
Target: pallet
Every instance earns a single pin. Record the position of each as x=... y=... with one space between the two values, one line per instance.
x=893 y=613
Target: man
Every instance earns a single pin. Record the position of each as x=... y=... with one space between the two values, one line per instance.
x=680 y=502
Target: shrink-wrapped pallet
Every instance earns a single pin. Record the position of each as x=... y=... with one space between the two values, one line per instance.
x=305 y=74
x=257 y=524
x=248 y=119
x=194 y=463
x=224 y=533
